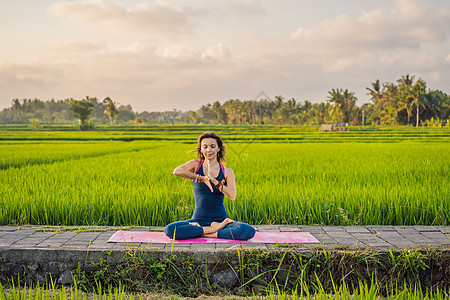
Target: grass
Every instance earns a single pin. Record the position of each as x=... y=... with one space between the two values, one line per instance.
x=50 y=291
x=407 y=274
x=400 y=177
x=189 y=133
x=21 y=154
x=363 y=292
x=122 y=176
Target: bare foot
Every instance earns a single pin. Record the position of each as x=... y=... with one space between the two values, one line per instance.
x=225 y=223
x=210 y=235
x=194 y=224
x=211 y=230
x=214 y=226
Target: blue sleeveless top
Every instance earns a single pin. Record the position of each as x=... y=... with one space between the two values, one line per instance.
x=208 y=205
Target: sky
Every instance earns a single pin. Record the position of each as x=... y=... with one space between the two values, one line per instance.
x=174 y=54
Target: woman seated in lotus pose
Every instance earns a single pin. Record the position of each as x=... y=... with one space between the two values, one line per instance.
x=211 y=181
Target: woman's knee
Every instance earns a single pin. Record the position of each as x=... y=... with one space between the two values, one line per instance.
x=241 y=231
x=172 y=228
x=169 y=230
x=247 y=232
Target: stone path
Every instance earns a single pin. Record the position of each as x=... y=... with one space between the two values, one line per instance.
x=28 y=252
x=375 y=237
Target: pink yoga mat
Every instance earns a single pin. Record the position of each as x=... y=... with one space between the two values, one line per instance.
x=260 y=237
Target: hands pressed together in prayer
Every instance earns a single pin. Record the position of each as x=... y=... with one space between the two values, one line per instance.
x=208 y=178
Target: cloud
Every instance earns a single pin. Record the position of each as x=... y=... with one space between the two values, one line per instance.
x=216 y=64
x=141 y=75
x=216 y=53
x=29 y=80
x=247 y=7
x=404 y=37
x=159 y=17
x=404 y=24
x=75 y=46
x=182 y=52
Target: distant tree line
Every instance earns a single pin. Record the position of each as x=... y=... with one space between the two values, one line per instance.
x=70 y=111
x=404 y=102
x=408 y=101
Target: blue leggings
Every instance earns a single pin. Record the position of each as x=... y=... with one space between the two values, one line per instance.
x=233 y=231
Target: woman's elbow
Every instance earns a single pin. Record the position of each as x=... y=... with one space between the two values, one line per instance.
x=232 y=197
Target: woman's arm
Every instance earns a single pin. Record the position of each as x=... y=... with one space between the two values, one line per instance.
x=187 y=170
x=230 y=189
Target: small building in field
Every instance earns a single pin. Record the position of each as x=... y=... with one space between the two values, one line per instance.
x=327 y=127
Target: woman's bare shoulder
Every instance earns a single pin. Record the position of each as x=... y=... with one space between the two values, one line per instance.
x=228 y=171
x=193 y=161
x=192 y=164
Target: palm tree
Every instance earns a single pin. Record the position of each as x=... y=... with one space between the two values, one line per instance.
x=16 y=106
x=376 y=93
x=335 y=98
x=406 y=99
x=206 y=113
x=320 y=112
x=111 y=109
x=304 y=112
x=343 y=103
x=349 y=102
x=251 y=107
x=367 y=113
x=390 y=104
x=407 y=103
x=292 y=108
x=438 y=105
x=418 y=95
x=193 y=116
x=233 y=108
x=220 y=112
x=278 y=101
x=82 y=109
x=16 y=110
x=406 y=80
x=264 y=108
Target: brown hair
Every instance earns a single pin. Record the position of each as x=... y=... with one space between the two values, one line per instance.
x=222 y=148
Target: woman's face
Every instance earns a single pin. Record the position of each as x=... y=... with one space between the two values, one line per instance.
x=209 y=148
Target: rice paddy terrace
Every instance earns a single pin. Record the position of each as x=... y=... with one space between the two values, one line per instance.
x=359 y=191
x=119 y=176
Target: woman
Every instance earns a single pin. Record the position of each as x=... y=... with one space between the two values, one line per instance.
x=211 y=181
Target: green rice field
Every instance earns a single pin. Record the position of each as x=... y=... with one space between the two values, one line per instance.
x=122 y=175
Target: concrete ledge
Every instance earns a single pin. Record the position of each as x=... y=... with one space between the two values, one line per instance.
x=27 y=252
